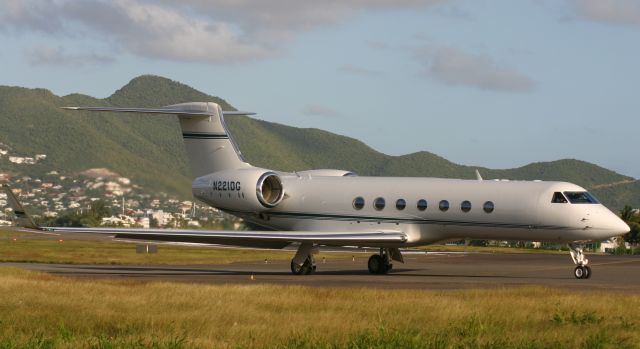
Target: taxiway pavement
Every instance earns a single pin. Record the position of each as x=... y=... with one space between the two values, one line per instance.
x=439 y=271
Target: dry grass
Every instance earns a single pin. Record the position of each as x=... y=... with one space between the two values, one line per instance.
x=38 y=310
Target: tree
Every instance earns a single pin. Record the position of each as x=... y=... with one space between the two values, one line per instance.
x=99 y=210
x=627 y=213
x=89 y=218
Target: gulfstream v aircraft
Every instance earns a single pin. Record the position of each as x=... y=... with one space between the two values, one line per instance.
x=339 y=208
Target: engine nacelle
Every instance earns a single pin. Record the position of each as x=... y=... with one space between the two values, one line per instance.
x=326 y=173
x=269 y=189
x=246 y=189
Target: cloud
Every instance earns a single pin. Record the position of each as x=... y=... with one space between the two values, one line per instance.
x=456 y=67
x=212 y=31
x=319 y=110
x=609 y=11
x=17 y=15
x=57 y=56
x=360 y=71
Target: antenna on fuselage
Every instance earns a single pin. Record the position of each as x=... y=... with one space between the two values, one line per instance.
x=478 y=176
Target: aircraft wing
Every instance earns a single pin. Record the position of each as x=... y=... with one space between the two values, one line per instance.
x=266 y=239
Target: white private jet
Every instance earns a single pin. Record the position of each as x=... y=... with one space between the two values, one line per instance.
x=339 y=208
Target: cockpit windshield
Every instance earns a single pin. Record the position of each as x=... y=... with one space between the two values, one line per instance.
x=581 y=197
x=558 y=198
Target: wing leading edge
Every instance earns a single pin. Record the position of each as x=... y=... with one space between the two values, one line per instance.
x=268 y=239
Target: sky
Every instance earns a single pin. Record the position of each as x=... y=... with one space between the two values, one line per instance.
x=497 y=83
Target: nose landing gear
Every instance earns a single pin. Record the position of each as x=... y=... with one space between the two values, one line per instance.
x=582 y=270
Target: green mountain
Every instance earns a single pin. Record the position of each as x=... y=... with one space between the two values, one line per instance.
x=148 y=149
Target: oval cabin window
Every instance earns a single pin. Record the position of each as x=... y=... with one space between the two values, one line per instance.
x=488 y=207
x=444 y=205
x=358 y=203
x=378 y=204
x=422 y=204
x=401 y=204
x=465 y=206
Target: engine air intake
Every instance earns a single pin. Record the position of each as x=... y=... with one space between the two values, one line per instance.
x=269 y=189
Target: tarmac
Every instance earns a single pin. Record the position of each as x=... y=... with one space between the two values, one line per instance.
x=430 y=271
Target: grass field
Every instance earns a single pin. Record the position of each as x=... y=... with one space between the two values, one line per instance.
x=43 y=311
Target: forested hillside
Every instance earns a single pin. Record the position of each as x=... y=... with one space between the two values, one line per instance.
x=149 y=149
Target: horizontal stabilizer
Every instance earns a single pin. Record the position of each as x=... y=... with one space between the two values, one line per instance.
x=203 y=109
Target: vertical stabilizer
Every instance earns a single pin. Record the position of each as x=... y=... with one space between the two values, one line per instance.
x=208 y=143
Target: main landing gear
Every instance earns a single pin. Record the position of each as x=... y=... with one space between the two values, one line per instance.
x=303 y=262
x=582 y=270
x=381 y=263
x=306 y=268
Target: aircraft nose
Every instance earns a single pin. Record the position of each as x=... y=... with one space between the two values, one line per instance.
x=610 y=225
x=615 y=225
x=620 y=227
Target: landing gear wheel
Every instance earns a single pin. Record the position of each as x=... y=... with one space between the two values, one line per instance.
x=297 y=269
x=378 y=265
x=375 y=264
x=305 y=269
x=310 y=270
x=582 y=270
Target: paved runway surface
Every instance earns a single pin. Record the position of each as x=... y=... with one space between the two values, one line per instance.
x=431 y=271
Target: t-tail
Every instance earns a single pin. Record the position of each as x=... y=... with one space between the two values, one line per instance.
x=208 y=143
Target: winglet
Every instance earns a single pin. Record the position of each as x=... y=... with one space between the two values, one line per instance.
x=478 y=176
x=22 y=217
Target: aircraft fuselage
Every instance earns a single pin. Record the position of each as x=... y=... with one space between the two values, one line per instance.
x=455 y=209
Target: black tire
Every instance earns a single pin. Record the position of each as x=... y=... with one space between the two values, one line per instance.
x=305 y=269
x=588 y=270
x=309 y=269
x=297 y=269
x=378 y=265
x=579 y=272
x=375 y=264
